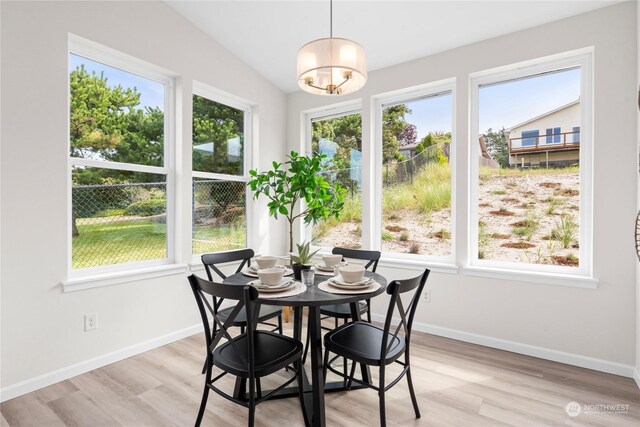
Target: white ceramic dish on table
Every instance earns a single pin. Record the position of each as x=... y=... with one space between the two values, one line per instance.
x=352 y=273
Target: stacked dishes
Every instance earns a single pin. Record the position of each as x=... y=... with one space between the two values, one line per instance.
x=271 y=280
x=351 y=277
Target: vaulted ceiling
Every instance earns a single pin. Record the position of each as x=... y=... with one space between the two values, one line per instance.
x=267 y=34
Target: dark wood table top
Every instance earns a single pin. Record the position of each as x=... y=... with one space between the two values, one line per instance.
x=313 y=296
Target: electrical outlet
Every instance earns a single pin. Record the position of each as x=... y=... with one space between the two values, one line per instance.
x=90 y=321
x=427 y=295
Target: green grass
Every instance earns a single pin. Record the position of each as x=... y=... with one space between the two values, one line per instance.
x=109 y=243
x=429 y=192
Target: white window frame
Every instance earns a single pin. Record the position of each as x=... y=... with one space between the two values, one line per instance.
x=399 y=97
x=221 y=97
x=118 y=273
x=326 y=113
x=581 y=276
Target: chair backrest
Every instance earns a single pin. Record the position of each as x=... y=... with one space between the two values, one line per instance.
x=211 y=260
x=372 y=256
x=395 y=289
x=245 y=295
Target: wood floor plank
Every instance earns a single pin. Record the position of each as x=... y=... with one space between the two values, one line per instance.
x=457 y=384
x=121 y=404
x=29 y=411
x=134 y=380
x=78 y=410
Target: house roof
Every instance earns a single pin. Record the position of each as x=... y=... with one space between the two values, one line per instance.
x=548 y=113
x=409 y=146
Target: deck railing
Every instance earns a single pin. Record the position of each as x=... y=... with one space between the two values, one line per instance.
x=564 y=144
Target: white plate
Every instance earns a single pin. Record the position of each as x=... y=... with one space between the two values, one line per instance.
x=341 y=285
x=282 y=286
x=338 y=279
x=323 y=267
x=249 y=272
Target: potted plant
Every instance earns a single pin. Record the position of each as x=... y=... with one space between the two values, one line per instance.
x=302 y=261
x=298 y=179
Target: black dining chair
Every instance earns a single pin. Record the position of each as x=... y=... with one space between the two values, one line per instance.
x=250 y=355
x=267 y=312
x=343 y=311
x=365 y=343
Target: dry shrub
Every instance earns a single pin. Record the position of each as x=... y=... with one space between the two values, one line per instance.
x=518 y=245
x=500 y=236
x=550 y=184
x=502 y=212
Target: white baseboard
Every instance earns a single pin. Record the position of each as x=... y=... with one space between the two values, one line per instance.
x=50 y=378
x=526 y=349
x=636 y=376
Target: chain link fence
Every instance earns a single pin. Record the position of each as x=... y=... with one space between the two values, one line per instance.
x=118 y=223
x=394 y=173
x=121 y=223
x=219 y=215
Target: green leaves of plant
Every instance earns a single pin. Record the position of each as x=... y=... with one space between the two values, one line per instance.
x=302 y=179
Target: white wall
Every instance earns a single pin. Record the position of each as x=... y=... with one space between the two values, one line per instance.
x=637 y=367
x=593 y=327
x=42 y=328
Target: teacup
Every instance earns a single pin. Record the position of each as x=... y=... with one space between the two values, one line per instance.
x=352 y=273
x=270 y=276
x=266 y=261
x=331 y=260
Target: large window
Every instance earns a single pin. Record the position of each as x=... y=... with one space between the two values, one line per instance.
x=530 y=186
x=415 y=169
x=119 y=162
x=220 y=132
x=339 y=137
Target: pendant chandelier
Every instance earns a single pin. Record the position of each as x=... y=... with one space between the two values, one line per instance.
x=331 y=66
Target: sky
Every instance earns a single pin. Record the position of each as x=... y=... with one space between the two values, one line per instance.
x=151 y=92
x=431 y=114
x=501 y=105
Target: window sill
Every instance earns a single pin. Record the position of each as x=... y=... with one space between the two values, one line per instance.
x=407 y=264
x=547 y=278
x=417 y=265
x=79 y=283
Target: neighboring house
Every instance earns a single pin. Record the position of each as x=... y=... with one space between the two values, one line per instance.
x=408 y=150
x=551 y=139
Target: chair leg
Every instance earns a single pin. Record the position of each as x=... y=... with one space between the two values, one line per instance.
x=252 y=401
x=298 y=366
x=258 y=388
x=306 y=345
x=413 y=393
x=205 y=392
x=344 y=363
x=383 y=416
x=353 y=372
x=324 y=365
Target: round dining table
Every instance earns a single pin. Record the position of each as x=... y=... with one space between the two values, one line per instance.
x=313 y=298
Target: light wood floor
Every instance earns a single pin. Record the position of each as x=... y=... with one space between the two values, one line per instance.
x=457 y=384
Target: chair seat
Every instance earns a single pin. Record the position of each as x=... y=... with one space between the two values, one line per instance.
x=272 y=353
x=266 y=312
x=342 y=311
x=361 y=342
